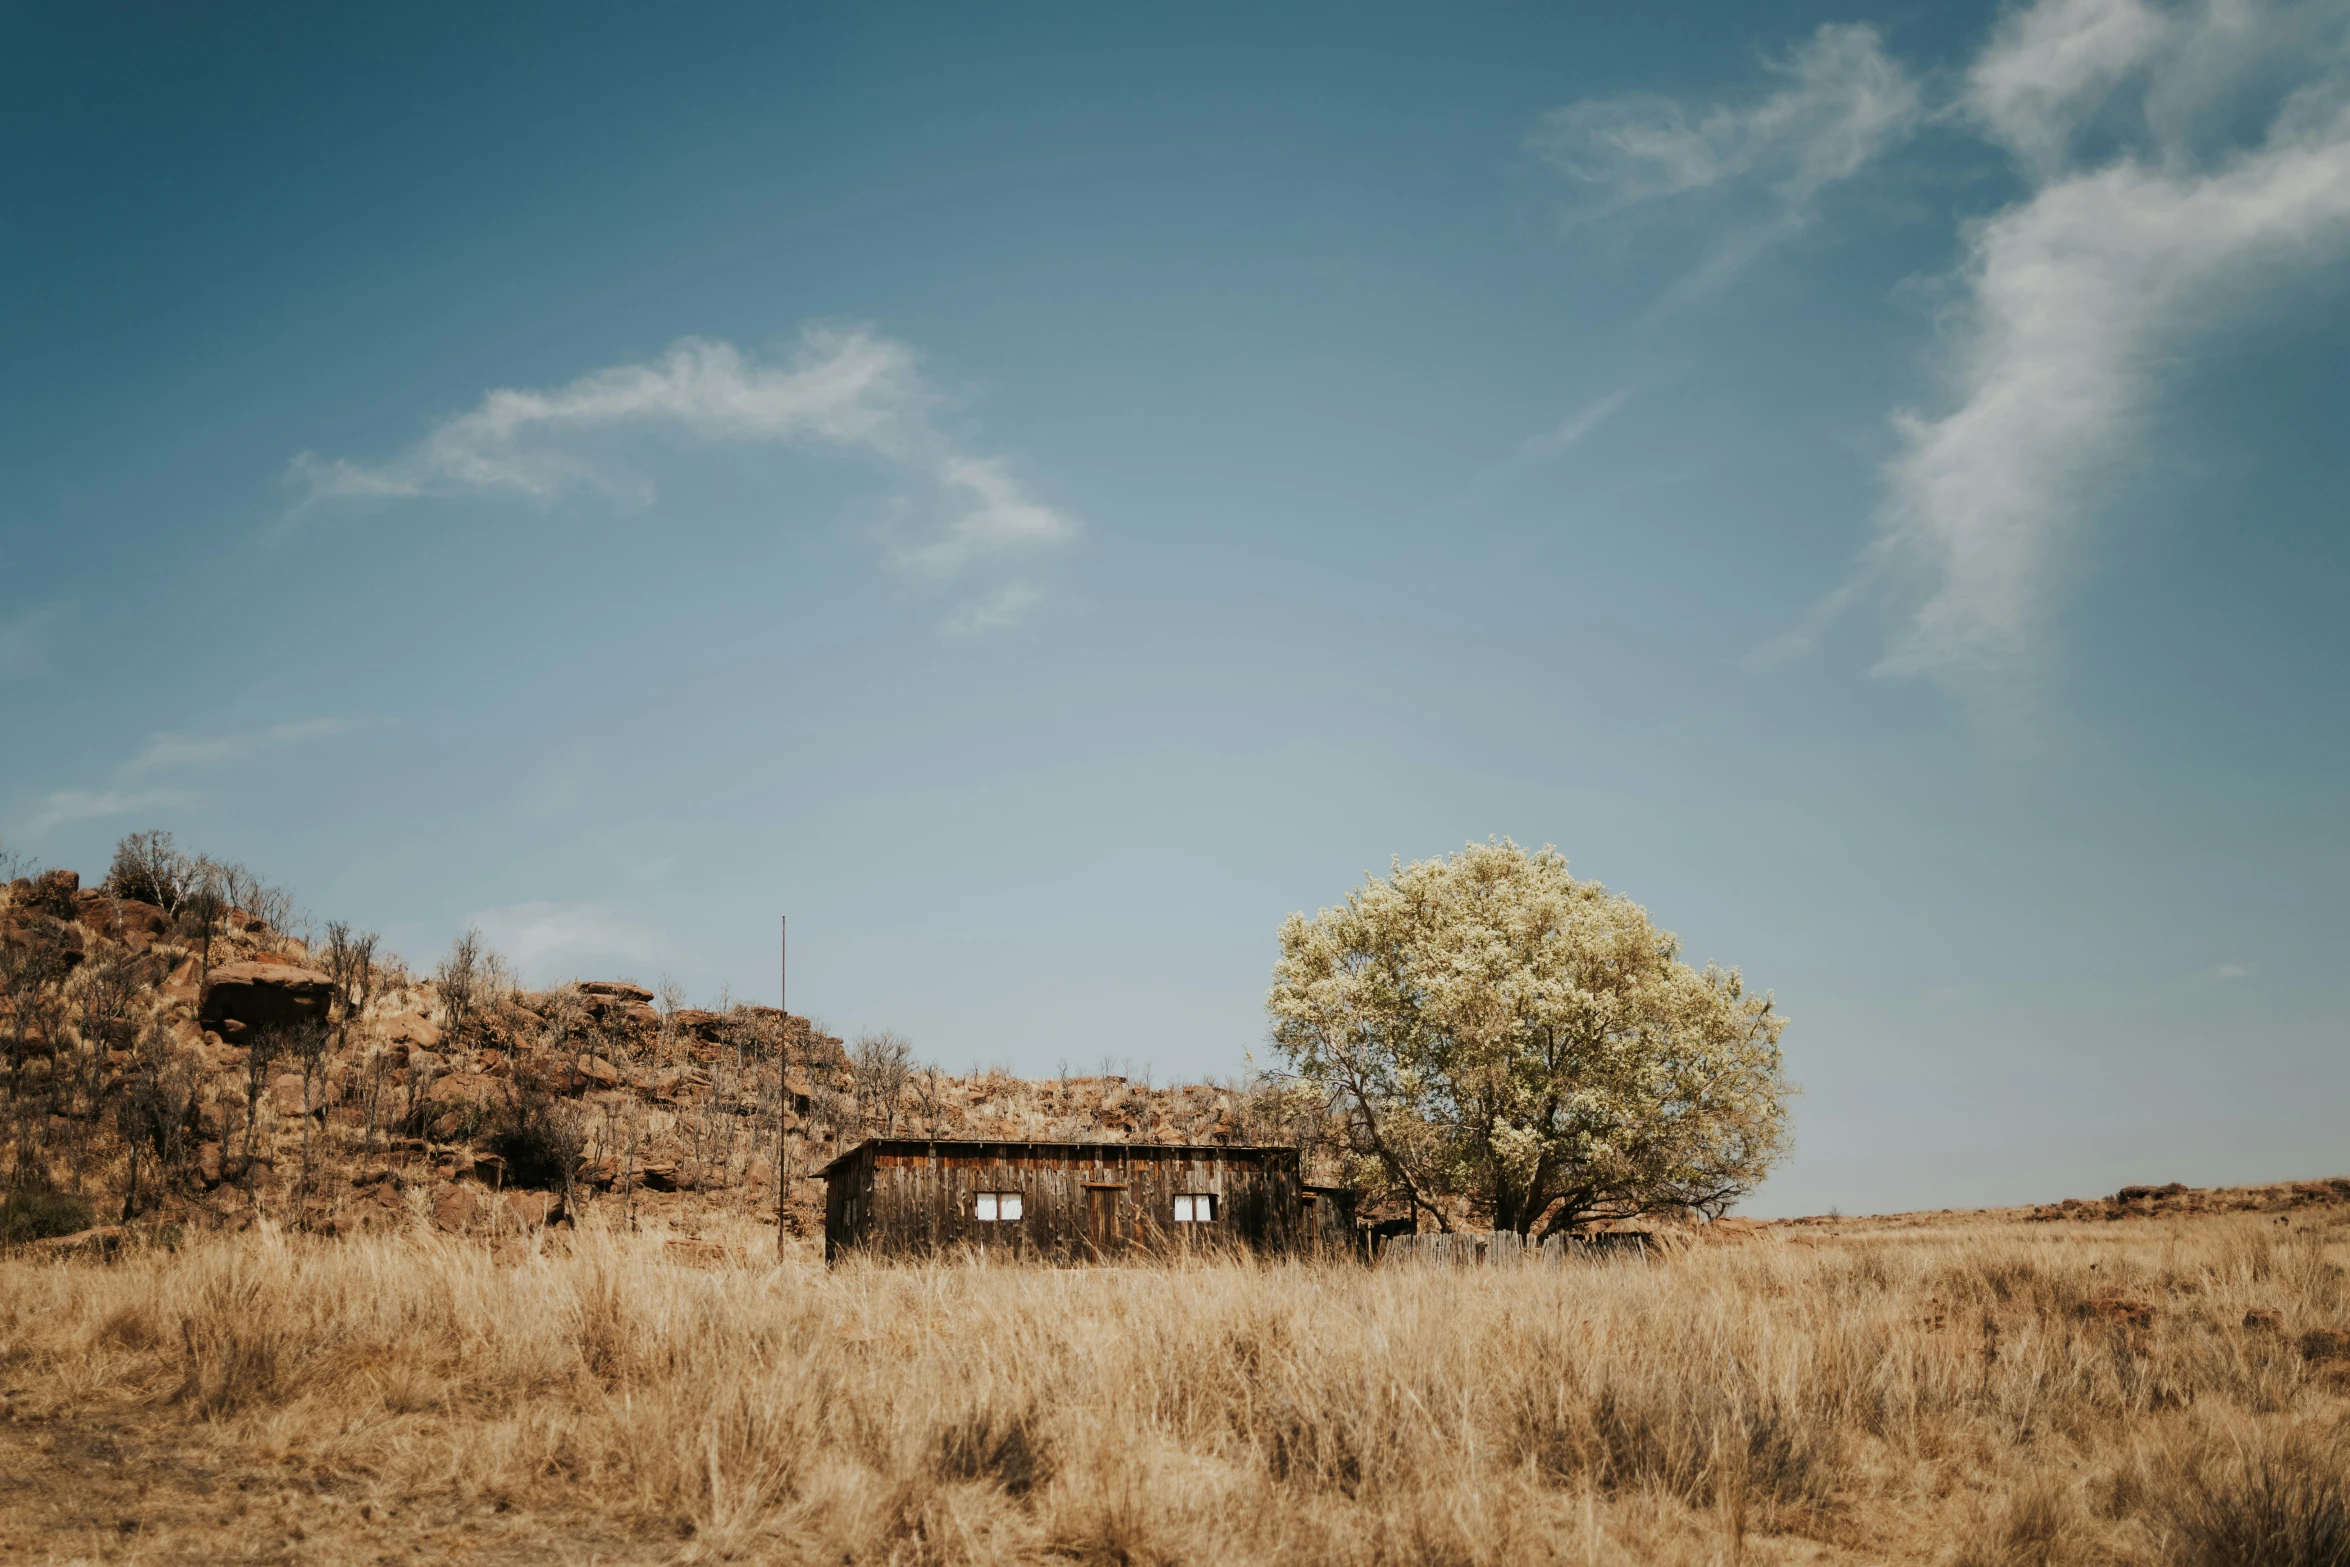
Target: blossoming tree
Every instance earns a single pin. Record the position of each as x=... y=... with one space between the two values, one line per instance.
x=1497 y=1035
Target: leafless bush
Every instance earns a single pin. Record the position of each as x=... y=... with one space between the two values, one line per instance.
x=156 y=1115
x=879 y=1066
x=350 y=963
x=471 y=979
x=150 y=869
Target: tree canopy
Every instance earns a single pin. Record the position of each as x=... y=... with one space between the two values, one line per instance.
x=1496 y=1034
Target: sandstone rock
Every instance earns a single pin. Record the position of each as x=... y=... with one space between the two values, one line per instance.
x=462 y=1088
x=619 y=989
x=29 y=928
x=126 y=920
x=51 y=893
x=263 y=995
x=600 y=1072
x=455 y=1207
x=708 y=1027
x=531 y=1210
x=407 y=1031
x=286 y=1094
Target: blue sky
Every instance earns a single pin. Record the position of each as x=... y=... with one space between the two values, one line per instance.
x=1040 y=493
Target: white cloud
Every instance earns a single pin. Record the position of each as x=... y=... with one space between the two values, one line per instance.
x=850 y=389
x=2075 y=294
x=2051 y=66
x=554 y=942
x=187 y=753
x=1005 y=607
x=1842 y=102
x=2235 y=971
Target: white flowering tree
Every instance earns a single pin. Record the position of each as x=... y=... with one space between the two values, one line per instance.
x=1496 y=1034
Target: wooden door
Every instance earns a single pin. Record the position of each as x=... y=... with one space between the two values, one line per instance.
x=1103 y=1230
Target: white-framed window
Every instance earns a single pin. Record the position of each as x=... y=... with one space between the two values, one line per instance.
x=1196 y=1208
x=995 y=1207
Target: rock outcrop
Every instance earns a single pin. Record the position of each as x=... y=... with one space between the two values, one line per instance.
x=242 y=997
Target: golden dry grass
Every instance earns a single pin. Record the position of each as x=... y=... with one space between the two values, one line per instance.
x=1935 y=1396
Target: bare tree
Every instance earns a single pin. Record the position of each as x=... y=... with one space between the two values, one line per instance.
x=149 y=869
x=350 y=963
x=156 y=1112
x=261 y=1051
x=472 y=979
x=106 y=1005
x=879 y=1065
x=308 y=1042
x=204 y=905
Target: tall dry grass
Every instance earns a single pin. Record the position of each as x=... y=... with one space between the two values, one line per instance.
x=1935 y=1397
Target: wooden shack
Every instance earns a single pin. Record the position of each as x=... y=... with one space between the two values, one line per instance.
x=1077 y=1202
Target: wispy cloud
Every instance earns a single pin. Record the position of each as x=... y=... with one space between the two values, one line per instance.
x=853 y=390
x=192 y=753
x=2234 y=971
x=1841 y=102
x=135 y=786
x=1554 y=441
x=83 y=805
x=552 y=942
x=24 y=643
x=2074 y=296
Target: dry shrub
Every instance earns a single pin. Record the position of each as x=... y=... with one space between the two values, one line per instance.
x=2284 y=1503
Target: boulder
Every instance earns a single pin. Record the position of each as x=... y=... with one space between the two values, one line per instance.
x=455 y=1207
x=597 y=1070
x=286 y=1093
x=531 y=1210
x=408 y=1030
x=619 y=989
x=264 y=995
x=56 y=944
x=127 y=920
x=52 y=893
x=462 y=1088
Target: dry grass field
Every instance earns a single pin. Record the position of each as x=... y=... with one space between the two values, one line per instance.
x=2170 y=1391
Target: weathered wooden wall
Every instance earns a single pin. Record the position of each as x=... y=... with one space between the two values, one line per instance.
x=1080 y=1202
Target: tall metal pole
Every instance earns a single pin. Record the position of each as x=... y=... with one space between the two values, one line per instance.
x=783 y=1067
x=782 y=1072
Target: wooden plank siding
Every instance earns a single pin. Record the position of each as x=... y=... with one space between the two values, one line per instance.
x=1080 y=1202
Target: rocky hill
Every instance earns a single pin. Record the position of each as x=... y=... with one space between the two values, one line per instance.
x=204 y=1067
